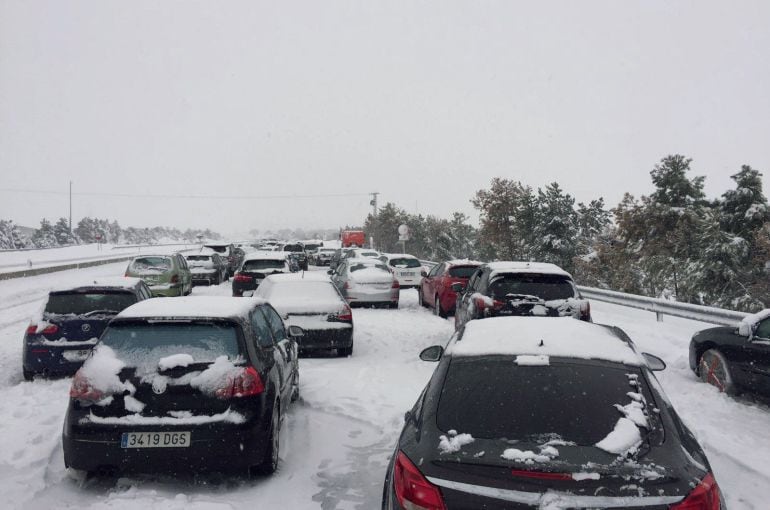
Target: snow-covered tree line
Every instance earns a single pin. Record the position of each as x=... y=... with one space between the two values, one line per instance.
x=91 y=230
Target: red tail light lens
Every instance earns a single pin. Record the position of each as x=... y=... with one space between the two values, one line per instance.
x=480 y=302
x=346 y=314
x=585 y=311
x=31 y=329
x=82 y=389
x=51 y=329
x=242 y=278
x=703 y=497
x=541 y=475
x=245 y=383
x=412 y=489
x=395 y=285
x=175 y=279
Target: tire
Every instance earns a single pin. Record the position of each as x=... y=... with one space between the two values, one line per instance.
x=437 y=311
x=29 y=375
x=393 y=306
x=344 y=352
x=419 y=297
x=269 y=464
x=714 y=370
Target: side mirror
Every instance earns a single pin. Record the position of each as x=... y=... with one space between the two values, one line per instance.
x=458 y=287
x=296 y=331
x=432 y=353
x=655 y=363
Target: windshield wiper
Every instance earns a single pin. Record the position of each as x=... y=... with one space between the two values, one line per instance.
x=99 y=312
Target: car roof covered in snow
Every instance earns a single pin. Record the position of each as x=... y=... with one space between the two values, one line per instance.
x=399 y=256
x=463 y=262
x=266 y=255
x=543 y=336
x=108 y=282
x=191 y=307
x=526 y=267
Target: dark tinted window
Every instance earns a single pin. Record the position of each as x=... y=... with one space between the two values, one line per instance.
x=359 y=266
x=462 y=271
x=151 y=264
x=204 y=258
x=276 y=324
x=763 y=329
x=546 y=287
x=311 y=247
x=219 y=249
x=293 y=247
x=405 y=262
x=89 y=302
x=261 y=328
x=494 y=398
x=262 y=264
x=143 y=344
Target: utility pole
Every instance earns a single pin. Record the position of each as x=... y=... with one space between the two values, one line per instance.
x=70 y=207
x=373 y=203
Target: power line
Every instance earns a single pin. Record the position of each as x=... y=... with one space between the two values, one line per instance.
x=211 y=197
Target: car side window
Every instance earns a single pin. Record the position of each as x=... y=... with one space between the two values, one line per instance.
x=144 y=292
x=473 y=280
x=763 y=329
x=436 y=270
x=261 y=328
x=276 y=324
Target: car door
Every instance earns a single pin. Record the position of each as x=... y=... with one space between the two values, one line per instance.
x=266 y=343
x=286 y=348
x=758 y=349
x=430 y=284
x=464 y=306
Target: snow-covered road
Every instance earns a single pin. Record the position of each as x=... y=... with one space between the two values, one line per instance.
x=338 y=437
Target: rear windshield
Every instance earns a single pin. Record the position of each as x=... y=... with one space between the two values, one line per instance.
x=89 y=302
x=462 y=271
x=143 y=345
x=493 y=398
x=405 y=262
x=293 y=247
x=358 y=267
x=219 y=249
x=326 y=250
x=202 y=258
x=310 y=247
x=151 y=264
x=368 y=254
x=262 y=264
x=546 y=287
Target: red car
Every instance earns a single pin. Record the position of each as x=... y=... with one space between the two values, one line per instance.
x=436 y=287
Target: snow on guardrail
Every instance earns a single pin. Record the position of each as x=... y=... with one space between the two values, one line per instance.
x=658 y=306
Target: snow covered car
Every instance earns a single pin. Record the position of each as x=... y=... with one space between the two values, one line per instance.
x=540 y=413
x=232 y=255
x=436 y=286
x=323 y=256
x=366 y=282
x=311 y=301
x=206 y=266
x=255 y=268
x=166 y=275
x=735 y=359
x=173 y=385
x=519 y=288
x=61 y=337
x=406 y=268
x=297 y=252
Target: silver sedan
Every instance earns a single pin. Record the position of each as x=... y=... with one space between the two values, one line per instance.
x=366 y=282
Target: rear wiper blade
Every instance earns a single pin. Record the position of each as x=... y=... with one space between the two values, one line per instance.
x=100 y=312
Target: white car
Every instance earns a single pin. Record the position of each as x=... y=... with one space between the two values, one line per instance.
x=406 y=268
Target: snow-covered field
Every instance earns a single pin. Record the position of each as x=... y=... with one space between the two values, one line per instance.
x=18 y=260
x=337 y=438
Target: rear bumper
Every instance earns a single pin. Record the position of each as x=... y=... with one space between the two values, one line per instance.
x=325 y=339
x=358 y=298
x=208 y=277
x=50 y=360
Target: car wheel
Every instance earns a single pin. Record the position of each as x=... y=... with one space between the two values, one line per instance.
x=393 y=305
x=344 y=352
x=29 y=375
x=713 y=369
x=437 y=308
x=270 y=463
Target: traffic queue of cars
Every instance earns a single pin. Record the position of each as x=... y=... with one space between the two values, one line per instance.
x=527 y=408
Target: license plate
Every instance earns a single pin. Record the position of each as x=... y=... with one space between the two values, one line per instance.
x=79 y=355
x=407 y=273
x=155 y=440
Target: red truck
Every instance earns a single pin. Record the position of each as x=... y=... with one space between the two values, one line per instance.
x=352 y=238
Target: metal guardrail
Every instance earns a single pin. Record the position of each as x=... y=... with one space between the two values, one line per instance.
x=660 y=307
x=53 y=269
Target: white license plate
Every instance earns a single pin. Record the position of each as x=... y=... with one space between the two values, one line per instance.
x=155 y=440
x=79 y=355
x=408 y=273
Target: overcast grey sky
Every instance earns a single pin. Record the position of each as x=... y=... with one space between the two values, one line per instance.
x=424 y=102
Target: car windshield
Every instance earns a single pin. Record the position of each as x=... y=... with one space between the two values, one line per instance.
x=218 y=249
x=198 y=258
x=360 y=265
x=293 y=247
x=151 y=264
x=262 y=264
x=368 y=254
x=546 y=287
x=311 y=247
x=462 y=271
x=141 y=344
x=405 y=262
x=81 y=303
x=493 y=398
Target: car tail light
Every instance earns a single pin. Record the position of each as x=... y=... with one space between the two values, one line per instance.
x=175 y=279
x=345 y=315
x=243 y=278
x=585 y=311
x=245 y=383
x=31 y=329
x=51 y=329
x=703 y=497
x=395 y=285
x=413 y=491
x=82 y=389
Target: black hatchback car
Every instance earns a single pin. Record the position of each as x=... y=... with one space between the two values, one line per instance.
x=181 y=384
x=735 y=359
x=58 y=341
x=532 y=412
x=499 y=289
